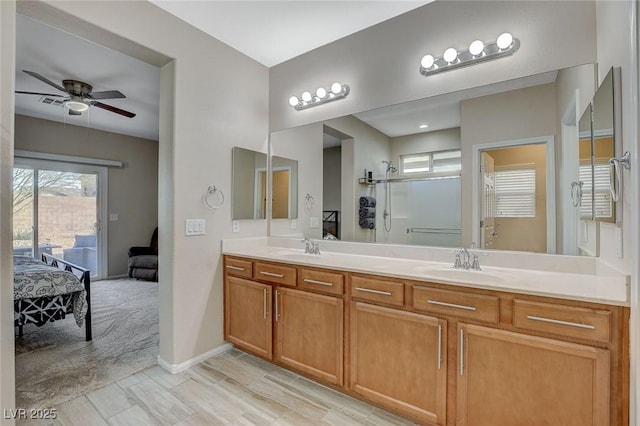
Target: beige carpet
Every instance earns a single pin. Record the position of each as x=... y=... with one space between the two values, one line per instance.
x=55 y=364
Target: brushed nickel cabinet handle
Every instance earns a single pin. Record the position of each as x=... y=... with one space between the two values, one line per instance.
x=307 y=280
x=461 y=352
x=451 y=305
x=271 y=274
x=277 y=306
x=560 y=322
x=439 y=346
x=264 y=303
x=368 y=290
x=236 y=268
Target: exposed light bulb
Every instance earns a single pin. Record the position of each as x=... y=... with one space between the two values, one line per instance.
x=336 y=88
x=427 y=61
x=504 y=40
x=476 y=47
x=423 y=126
x=321 y=92
x=293 y=101
x=306 y=96
x=450 y=55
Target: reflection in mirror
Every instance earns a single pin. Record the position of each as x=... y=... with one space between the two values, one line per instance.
x=400 y=158
x=583 y=190
x=249 y=184
x=284 y=188
x=603 y=149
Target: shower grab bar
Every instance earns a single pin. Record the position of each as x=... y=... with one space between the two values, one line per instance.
x=447 y=231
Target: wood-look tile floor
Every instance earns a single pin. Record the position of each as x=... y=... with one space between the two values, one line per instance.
x=232 y=388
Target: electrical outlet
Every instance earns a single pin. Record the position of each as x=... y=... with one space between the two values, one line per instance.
x=194 y=227
x=235 y=226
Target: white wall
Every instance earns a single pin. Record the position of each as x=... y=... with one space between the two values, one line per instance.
x=212 y=98
x=332 y=181
x=132 y=189
x=7 y=86
x=381 y=63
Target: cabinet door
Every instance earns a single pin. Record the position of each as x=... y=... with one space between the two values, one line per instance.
x=247 y=316
x=516 y=379
x=309 y=333
x=398 y=359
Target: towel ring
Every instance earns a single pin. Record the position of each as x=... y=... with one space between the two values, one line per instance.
x=213 y=198
x=309 y=201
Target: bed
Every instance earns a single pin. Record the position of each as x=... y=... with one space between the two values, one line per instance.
x=46 y=291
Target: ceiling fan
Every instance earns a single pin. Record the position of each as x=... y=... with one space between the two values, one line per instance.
x=80 y=96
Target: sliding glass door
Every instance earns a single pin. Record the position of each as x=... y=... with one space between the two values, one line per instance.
x=57 y=211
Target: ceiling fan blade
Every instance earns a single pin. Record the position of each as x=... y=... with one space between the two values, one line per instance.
x=38 y=93
x=72 y=112
x=45 y=80
x=113 y=109
x=109 y=94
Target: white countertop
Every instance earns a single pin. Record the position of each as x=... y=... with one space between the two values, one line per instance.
x=606 y=287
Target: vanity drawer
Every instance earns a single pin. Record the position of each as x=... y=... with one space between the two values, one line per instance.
x=376 y=290
x=238 y=267
x=461 y=304
x=324 y=281
x=571 y=321
x=277 y=274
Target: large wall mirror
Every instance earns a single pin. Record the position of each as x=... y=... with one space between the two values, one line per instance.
x=249 y=190
x=413 y=163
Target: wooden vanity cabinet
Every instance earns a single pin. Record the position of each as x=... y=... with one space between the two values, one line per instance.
x=438 y=354
x=309 y=333
x=247 y=316
x=528 y=380
x=399 y=360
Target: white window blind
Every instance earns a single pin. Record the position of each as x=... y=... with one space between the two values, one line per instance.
x=427 y=163
x=516 y=191
x=602 y=195
x=415 y=163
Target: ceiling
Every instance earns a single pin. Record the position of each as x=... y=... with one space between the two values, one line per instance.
x=272 y=32
x=58 y=55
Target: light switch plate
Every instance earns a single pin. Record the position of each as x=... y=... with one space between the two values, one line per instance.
x=194 y=227
x=235 y=226
x=314 y=222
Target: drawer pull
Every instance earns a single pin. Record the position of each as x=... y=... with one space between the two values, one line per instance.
x=271 y=274
x=461 y=352
x=307 y=280
x=368 y=290
x=235 y=268
x=452 y=305
x=439 y=346
x=560 y=322
x=277 y=306
x=265 y=294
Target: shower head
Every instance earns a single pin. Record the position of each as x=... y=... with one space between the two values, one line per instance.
x=390 y=167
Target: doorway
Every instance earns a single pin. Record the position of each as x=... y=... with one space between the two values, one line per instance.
x=514 y=195
x=58 y=208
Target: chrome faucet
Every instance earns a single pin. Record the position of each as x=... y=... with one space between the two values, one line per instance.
x=466 y=260
x=311 y=246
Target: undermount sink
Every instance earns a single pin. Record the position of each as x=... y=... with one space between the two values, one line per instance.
x=484 y=276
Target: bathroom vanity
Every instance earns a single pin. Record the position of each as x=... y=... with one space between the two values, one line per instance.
x=437 y=345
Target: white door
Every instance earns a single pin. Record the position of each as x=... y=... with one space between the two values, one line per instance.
x=488 y=196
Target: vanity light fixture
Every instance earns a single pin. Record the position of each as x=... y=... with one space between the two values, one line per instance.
x=321 y=96
x=478 y=51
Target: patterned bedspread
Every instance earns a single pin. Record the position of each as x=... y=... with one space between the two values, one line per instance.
x=41 y=292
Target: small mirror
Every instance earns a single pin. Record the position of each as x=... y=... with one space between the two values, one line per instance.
x=249 y=184
x=604 y=141
x=582 y=194
x=284 y=188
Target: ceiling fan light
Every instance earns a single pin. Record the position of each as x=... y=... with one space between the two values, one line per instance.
x=77 y=106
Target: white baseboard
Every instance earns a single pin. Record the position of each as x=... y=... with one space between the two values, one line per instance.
x=176 y=368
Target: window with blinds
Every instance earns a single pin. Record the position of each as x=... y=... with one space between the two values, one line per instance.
x=602 y=195
x=516 y=191
x=441 y=162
